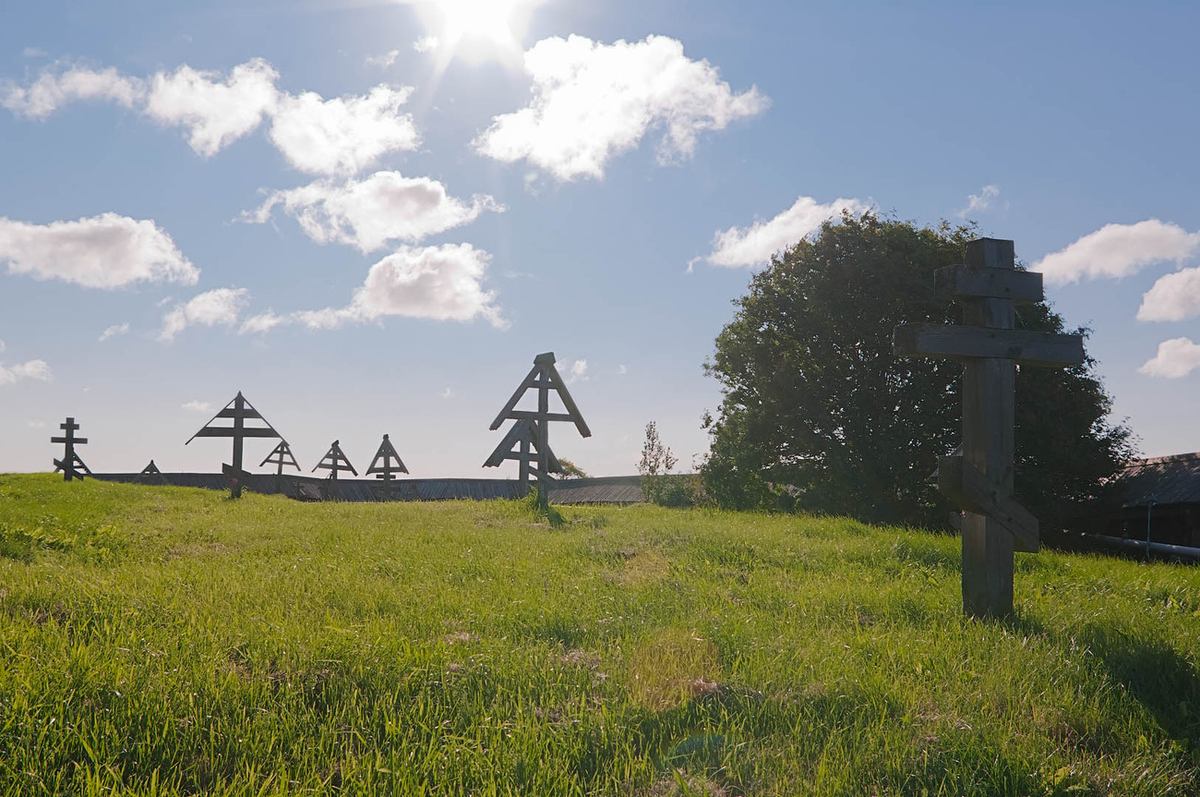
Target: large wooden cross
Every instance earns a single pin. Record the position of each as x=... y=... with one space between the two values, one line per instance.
x=71 y=465
x=528 y=441
x=239 y=410
x=980 y=479
x=387 y=462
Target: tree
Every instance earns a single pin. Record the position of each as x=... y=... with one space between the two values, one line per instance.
x=818 y=413
x=656 y=462
x=571 y=470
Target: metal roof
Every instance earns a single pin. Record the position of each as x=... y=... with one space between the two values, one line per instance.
x=1163 y=480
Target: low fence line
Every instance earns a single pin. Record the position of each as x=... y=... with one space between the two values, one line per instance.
x=598 y=490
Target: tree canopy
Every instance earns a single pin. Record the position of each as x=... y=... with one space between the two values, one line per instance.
x=818 y=413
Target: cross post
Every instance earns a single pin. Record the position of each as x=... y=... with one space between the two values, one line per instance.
x=71 y=465
x=980 y=479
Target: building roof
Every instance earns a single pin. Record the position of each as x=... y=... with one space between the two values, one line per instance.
x=1162 y=480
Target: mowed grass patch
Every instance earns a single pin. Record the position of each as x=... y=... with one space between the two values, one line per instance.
x=164 y=640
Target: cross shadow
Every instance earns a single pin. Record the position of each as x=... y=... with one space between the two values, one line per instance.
x=1156 y=675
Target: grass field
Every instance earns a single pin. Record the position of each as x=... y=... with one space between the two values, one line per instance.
x=163 y=640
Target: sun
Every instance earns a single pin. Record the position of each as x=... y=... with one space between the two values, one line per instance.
x=477 y=30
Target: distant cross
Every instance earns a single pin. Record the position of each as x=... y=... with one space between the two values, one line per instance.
x=980 y=479
x=239 y=410
x=529 y=436
x=71 y=465
x=382 y=465
x=335 y=461
x=281 y=455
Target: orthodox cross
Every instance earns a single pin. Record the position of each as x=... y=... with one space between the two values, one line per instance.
x=980 y=479
x=384 y=470
x=240 y=411
x=335 y=461
x=71 y=465
x=281 y=455
x=528 y=440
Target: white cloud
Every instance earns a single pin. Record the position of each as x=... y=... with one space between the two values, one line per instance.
x=368 y=213
x=36 y=424
x=622 y=370
x=197 y=406
x=34 y=369
x=2 y=347
x=440 y=283
x=385 y=60
x=113 y=331
x=219 y=307
x=345 y=134
x=754 y=245
x=592 y=101
x=216 y=112
x=1173 y=297
x=426 y=44
x=981 y=202
x=34 y=52
x=1175 y=358
x=447 y=393
x=1119 y=250
x=54 y=89
x=579 y=370
x=106 y=251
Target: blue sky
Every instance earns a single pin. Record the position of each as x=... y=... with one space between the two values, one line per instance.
x=371 y=216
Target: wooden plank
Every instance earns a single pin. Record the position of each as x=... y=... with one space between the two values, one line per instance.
x=568 y=402
x=971 y=491
x=531 y=415
x=516 y=396
x=966 y=342
x=231 y=412
x=1024 y=287
x=210 y=431
x=521 y=431
x=79 y=441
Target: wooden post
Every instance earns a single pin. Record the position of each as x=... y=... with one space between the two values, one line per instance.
x=239 y=430
x=980 y=481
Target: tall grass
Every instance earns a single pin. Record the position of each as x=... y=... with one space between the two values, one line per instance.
x=170 y=641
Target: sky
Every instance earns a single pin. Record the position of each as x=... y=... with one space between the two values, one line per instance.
x=370 y=216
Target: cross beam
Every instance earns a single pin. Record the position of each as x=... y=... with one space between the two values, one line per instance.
x=386 y=462
x=980 y=480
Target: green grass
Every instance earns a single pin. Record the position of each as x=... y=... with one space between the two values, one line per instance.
x=162 y=640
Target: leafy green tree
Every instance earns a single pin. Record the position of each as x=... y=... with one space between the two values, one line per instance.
x=817 y=412
x=656 y=462
x=571 y=470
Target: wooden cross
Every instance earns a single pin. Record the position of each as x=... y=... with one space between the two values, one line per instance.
x=71 y=465
x=980 y=479
x=384 y=470
x=239 y=410
x=151 y=475
x=530 y=434
x=281 y=455
x=335 y=461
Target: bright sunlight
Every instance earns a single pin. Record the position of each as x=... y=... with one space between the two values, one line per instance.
x=477 y=30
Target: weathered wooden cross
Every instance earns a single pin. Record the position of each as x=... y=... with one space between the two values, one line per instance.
x=71 y=465
x=980 y=479
x=391 y=462
x=335 y=461
x=530 y=434
x=151 y=475
x=281 y=455
x=239 y=410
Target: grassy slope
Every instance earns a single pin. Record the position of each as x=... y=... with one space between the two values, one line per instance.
x=168 y=639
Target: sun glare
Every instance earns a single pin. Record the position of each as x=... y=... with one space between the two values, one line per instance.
x=477 y=30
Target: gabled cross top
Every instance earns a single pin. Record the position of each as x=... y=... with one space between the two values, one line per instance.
x=386 y=462
x=71 y=465
x=238 y=411
x=980 y=479
x=335 y=461
x=281 y=455
x=528 y=441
